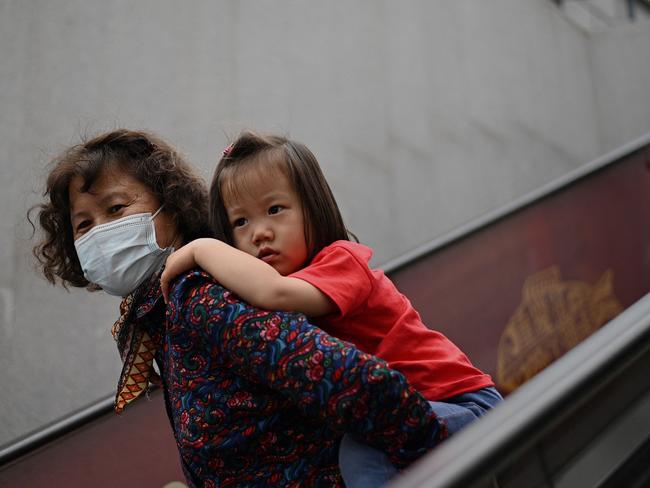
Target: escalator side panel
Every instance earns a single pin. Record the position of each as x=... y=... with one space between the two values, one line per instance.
x=593 y=235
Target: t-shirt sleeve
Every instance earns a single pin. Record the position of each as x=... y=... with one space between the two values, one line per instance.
x=342 y=274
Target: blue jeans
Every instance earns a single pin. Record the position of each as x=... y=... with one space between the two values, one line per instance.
x=365 y=467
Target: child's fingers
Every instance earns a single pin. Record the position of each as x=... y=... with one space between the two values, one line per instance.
x=164 y=286
x=173 y=267
x=165 y=276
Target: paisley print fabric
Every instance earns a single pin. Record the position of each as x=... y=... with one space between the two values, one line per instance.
x=260 y=398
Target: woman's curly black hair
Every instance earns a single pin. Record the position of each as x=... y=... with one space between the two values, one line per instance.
x=146 y=157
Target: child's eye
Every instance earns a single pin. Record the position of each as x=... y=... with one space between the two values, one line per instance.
x=275 y=209
x=239 y=222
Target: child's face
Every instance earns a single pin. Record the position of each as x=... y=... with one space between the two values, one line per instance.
x=267 y=221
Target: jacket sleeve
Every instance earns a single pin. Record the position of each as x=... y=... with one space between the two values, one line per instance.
x=326 y=378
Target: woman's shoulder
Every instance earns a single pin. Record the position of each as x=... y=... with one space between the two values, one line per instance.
x=192 y=284
x=196 y=299
x=193 y=277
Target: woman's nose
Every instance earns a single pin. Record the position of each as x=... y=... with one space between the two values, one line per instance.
x=102 y=219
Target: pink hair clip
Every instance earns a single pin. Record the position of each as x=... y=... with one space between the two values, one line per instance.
x=226 y=150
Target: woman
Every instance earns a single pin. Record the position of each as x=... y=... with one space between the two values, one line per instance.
x=254 y=397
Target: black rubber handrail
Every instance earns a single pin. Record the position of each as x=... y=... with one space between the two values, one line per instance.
x=515 y=205
x=54 y=430
x=484 y=448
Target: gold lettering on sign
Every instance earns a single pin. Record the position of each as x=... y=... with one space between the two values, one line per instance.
x=553 y=317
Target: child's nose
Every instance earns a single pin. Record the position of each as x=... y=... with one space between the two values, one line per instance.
x=261 y=234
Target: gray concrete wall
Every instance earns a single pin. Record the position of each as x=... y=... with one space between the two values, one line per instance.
x=621 y=72
x=424 y=114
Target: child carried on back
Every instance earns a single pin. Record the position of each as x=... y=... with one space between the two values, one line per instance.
x=284 y=247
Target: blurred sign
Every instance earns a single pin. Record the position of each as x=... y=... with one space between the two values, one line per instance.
x=553 y=317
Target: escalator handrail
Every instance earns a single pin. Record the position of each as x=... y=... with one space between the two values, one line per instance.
x=517 y=204
x=54 y=430
x=522 y=419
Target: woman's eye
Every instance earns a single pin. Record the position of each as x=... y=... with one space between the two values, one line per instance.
x=82 y=225
x=239 y=222
x=275 y=209
x=115 y=208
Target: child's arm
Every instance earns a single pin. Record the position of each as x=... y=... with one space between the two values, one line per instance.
x=252 y=279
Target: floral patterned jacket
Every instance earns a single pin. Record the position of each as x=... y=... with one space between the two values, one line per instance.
x=260 y=398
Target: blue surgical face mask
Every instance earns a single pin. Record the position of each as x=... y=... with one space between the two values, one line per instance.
x=120 y=255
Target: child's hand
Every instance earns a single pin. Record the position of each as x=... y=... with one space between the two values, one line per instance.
x=178 y=262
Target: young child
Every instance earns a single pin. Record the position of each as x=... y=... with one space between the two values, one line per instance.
x=283 y=246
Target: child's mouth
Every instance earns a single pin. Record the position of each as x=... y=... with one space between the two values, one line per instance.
x=267 y=255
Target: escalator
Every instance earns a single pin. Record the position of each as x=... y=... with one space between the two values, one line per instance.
x=547 y=294
x=550 y=296
x=582 y=422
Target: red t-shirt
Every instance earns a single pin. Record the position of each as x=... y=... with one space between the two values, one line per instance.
x=378 y=319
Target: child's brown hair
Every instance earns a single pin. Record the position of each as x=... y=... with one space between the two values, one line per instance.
x=322 y=218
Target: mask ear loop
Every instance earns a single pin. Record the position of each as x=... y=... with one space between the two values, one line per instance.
x=177 y=240
x=174 y=242
x=157 y=212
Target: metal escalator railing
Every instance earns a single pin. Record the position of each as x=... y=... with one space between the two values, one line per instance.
x=54 y=430
x=583 y=421
x=493 y=216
